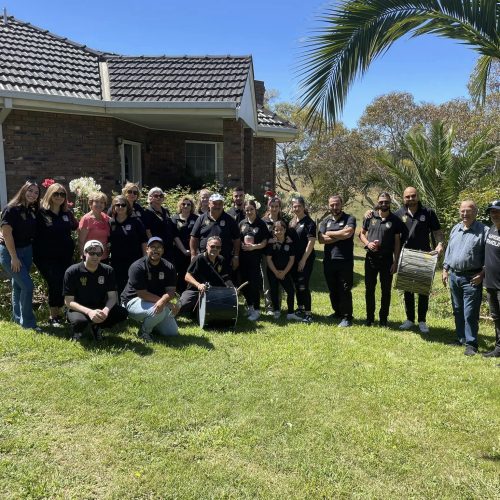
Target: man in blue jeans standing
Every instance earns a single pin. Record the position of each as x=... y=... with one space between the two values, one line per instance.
x=463 y=270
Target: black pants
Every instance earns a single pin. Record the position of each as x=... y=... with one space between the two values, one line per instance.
x=378 y=265
x=423 y=306
x=79 y=321
x=301 y=282
x=274 y=287
x=52 y=271
x=339 y=275
x=181 y=264
x=250 y=271
x=189 y=302
x=121 y=274
x=494 y=303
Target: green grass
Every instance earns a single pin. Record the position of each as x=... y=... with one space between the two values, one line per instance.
x=270 y=412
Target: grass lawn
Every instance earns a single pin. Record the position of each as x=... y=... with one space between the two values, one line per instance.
x=271 y=411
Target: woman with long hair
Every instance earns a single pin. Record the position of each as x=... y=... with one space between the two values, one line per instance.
x=127 y=239
x=95 y=224
x=254 y=236
x=183 y=221
x=18 y=223
x=131 y=191
x=305 y=229
x=273 y=212
x=53 y=247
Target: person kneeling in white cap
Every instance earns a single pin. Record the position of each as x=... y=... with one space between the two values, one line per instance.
x=90 y=294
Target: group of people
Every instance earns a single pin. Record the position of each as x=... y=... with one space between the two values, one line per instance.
x=136 y=260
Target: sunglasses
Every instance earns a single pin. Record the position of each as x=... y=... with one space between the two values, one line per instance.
x=121 y=205
x=95 y=254
x=130 y=191
x=216 y=247
x=60 y=194
x=186 y=204
x=158 y=196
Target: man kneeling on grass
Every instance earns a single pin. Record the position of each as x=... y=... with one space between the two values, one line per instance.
x=90 y=294
x=150 y=288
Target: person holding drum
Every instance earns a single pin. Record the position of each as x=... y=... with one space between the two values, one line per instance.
x=237 y=211
x=149 y=292
x=492 y=273
x=336 y=232
x=206 y=269
x=422 y=224
x=463 y=271
x=381 y=237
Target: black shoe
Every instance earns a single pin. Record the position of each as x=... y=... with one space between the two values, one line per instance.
x=307 y=319
x=77 y=336
x=368 y=322
x=492 y=354
x=456 y=343
x=334 y=316
x=97 y=332
x=470 y=350
x=382 y=323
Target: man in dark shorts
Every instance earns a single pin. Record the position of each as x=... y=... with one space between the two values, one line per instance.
x=237 y=211
x=90 y=294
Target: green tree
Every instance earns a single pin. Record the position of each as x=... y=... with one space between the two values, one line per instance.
x=357 y=31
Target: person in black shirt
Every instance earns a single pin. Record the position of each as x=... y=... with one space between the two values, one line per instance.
x=53 y=247
x=90 y=294
x=336 y=232
x=280 y=256
x=131 y=191
x=208 y=268
x=183 y=222
x=149 y=291
x=305 y=230
x=18 y=223
x=492 y=273
x=381 y=236
x=216 y=222
x=127 y=239
x=237 y=211
x=254 y=236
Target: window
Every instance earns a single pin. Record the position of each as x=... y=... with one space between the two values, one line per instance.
x=205 y=159
x=130 y=156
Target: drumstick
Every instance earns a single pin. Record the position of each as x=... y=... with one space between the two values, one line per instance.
x=241 y=286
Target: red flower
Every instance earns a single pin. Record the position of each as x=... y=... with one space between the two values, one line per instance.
x=47 y=182
x=269 y=194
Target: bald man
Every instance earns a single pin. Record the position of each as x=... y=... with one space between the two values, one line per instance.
x=423 y=229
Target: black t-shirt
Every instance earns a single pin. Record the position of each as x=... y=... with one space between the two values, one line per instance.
x=238 y=214
x=225 y=227
x=142 y=275
x=23 y=222
x=280 y=253
x=53 y=234
x=257 y=229
x=160 y=224
x=341 y=249
x=383 y=230
x=126 y=239
x=203 y=271
x=89 y=289
x=492 y=259
x=425 y=220
x=304 y=229
x=183 y=228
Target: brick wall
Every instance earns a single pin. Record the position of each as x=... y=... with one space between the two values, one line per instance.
x=233 y=152
x=264 y=164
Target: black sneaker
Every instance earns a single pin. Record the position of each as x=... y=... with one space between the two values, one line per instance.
x=145 y=336
x=369 y=322
x=470 y=350
x=56 y=322
x=307 y=319
x=382 y=323
x=97 y=332
x=492 y=354
x=77 y=336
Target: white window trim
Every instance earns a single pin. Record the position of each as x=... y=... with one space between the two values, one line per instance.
x=217 y=144
x=122 y=160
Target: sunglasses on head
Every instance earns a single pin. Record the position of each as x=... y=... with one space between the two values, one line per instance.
x=131 y=191
x=121 y=205
x=93 y=253
x=61 y=194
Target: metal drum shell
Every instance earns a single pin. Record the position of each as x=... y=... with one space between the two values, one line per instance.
x=218 y=307
x=416 y=271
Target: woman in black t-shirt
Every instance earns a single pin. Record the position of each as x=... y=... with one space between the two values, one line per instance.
x=305 y=229
x=54 y=247
x=18 y=223
x=254 y=236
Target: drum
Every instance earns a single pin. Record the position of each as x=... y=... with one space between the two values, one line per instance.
x=219 y=307
x=415 y=271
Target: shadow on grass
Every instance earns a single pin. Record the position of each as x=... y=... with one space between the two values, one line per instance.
x=181 y=341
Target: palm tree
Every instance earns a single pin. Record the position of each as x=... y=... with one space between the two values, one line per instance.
x=358 y=31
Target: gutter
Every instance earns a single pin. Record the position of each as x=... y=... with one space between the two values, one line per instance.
x=4 y=113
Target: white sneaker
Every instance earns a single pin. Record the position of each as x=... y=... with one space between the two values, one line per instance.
x=406 y=325
x=277 y=314
x=294 y=317
x=254 y=316
x=422 y=326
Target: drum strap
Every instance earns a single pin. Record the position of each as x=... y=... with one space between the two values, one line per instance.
x=412 y=230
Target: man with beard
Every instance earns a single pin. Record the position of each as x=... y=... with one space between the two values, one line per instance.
x=237 y=211
x=422 y=225
x=381 y=237
x=336 y=232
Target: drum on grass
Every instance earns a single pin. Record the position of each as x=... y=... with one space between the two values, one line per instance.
x=219 y=307
x=415 y=271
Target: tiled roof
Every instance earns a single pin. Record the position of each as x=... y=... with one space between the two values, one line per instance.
x=34 y=60
x=267 y=118
x=188 y=78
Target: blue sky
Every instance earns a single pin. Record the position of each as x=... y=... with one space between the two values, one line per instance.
x=273 y=31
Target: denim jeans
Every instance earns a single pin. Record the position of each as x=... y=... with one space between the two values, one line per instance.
x=22 y=285
x=142 y=311
x=466 y=302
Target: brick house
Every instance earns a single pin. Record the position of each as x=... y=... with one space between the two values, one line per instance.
x=67 y=111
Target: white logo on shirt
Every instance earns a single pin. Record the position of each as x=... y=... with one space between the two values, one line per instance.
x=100 y=280
x=388 y=224
x=222 y=223
x=161 y=275
x=422 y=218
x=65 y=218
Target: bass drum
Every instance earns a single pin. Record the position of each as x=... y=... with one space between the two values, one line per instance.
x=219 y=307
x=415 y=271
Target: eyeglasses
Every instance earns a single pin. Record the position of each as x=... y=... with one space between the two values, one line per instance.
x=158 y=196
x=130 y=191
x=60 y=194
x=95 y=254
x=215 y=247
x=121 y=205
x=186 y=204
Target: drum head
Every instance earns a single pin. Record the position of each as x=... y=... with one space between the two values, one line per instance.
x=218 y=308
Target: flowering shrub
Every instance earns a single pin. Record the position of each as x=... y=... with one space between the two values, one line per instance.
x=82 y=187
x=47 y=182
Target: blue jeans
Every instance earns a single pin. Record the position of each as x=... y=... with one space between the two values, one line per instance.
x=22 y=285
x=466 y=302
x=142 y=311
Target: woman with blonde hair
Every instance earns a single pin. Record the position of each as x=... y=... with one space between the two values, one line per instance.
x=53 y=247
x=95 y=224
x=18 y=223
x=131 y=191
x=203 y=198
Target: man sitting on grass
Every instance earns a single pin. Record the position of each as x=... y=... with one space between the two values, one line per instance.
x=90 y=294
